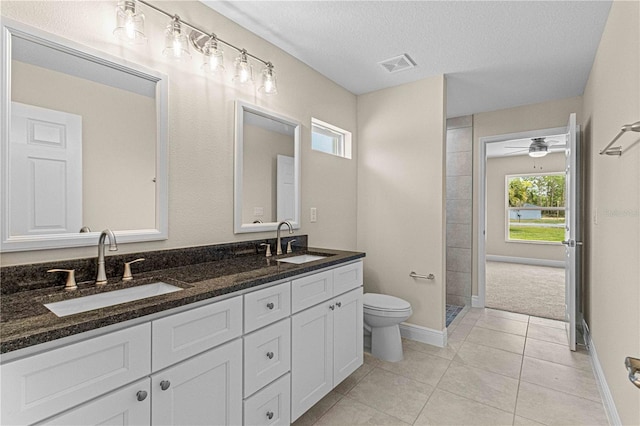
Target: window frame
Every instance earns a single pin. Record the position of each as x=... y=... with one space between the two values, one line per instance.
x=508 y=208
x=341 y=147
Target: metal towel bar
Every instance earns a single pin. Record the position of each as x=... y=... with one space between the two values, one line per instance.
x=617 y=150
x=425 y=277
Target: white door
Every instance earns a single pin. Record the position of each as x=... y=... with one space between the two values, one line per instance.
x=285 y=191
x=45 y=179
x=205 y=390
x=347 y=335
x=311 y=357
x=571 y=231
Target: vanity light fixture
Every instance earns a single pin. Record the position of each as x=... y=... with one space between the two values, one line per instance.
x=176 y=45
x=269 y=86
x=130 y=27
x=129 y=23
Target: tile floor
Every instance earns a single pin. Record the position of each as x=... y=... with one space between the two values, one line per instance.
x=499 y=368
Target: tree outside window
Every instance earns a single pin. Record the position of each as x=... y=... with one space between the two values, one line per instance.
x=535 y=207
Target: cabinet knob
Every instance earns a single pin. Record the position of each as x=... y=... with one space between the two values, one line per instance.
x=338 y=304
x=141 y=395
x=270 y=305
x=270 y=355
x=332 y=307
x=164 y=385
x=269 y=415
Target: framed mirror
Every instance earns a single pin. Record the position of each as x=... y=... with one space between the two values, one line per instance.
x=267 y=170
x=84 y=144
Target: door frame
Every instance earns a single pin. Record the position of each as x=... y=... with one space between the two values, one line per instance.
x=479 y=300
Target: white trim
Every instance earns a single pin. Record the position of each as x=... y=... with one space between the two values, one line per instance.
x=423 y=334
x=475 y=302
x=605 y=392
x=526 y=261
x=482 y=197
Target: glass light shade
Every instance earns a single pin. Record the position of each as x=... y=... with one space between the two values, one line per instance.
x=243 y=70
x=213 y=57
x=176 y=44
x=537 y=154
x=269 y=85
x=129 y=23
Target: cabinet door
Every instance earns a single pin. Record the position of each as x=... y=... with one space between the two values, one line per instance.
x=204 y=390
x=267 y=355
x=311 y=290
x=347 y=277
x=347 y=335
x=128 y=406
x=46 y=384
x=179 y=336
x=311 y=357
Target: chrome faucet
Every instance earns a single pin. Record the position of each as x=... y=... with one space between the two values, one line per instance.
x=278 y=245
x=101 y=279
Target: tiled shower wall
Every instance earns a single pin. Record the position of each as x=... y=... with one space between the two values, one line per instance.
x=459 y=209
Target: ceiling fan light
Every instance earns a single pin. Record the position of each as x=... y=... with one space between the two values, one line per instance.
x=536 y=153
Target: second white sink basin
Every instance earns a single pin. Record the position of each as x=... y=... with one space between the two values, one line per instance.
x=303 y=258
x=109 y=298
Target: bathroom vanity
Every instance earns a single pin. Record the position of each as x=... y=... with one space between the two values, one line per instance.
x=246 y=341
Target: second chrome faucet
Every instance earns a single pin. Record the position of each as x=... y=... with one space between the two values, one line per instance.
x=278 y=242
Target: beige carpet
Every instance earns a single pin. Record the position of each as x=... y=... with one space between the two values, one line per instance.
x=526 y=289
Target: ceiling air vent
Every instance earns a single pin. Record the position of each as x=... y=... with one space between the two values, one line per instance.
x=398 y=63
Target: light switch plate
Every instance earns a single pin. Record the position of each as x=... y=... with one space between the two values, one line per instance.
x=313 y=216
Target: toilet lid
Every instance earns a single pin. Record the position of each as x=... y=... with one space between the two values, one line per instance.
x=384 y=302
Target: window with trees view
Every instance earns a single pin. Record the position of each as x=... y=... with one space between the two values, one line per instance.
x=535 y=207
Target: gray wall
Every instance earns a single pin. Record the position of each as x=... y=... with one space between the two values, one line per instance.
x=459 y=209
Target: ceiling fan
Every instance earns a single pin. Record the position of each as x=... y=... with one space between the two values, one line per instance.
x=539 y=147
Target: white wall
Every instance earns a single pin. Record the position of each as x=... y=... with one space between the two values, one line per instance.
x=201 y=117
x=546 y=115
x=611 y=99
x=401 y=221
x=497 y=169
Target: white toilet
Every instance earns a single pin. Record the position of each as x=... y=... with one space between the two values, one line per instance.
x=382 y=317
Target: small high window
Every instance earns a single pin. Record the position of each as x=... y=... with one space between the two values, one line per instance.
x=330 y=139
x=535 y=207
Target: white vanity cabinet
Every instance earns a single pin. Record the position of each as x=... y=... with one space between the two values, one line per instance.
x=327 y=337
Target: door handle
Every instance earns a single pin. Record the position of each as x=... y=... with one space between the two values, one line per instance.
x=633 y=366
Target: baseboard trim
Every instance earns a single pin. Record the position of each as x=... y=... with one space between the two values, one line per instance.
x=605 y=392
x=423 y=334
x=475 y=302
x=526 y=261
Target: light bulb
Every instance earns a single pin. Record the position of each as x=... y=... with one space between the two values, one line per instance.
x=269 y=86
x=176 y=43
x=244 y=72
x=129 y=23
x=212 y=57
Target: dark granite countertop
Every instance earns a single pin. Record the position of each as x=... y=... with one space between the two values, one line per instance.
x=25 y=321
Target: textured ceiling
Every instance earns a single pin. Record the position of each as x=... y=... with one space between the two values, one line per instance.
x=495 y=54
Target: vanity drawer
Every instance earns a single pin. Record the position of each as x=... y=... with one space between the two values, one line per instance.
x=42 y=385
x=311 y=290
x=347 y=278
x=266 y=306
x=267 y=355
x=270 y=406
x=182 y=335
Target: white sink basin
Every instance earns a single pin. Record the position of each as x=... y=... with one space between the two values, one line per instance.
x=303 y=258
x=109 y=298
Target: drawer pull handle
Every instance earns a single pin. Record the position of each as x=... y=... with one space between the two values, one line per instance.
x=269 y=415
x=270 y=355
x=270 y=305
x=338 y=304
x=332 y=307
x=164 y=385
x=141 y=395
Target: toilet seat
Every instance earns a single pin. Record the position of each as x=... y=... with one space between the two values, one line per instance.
x=384 y=303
